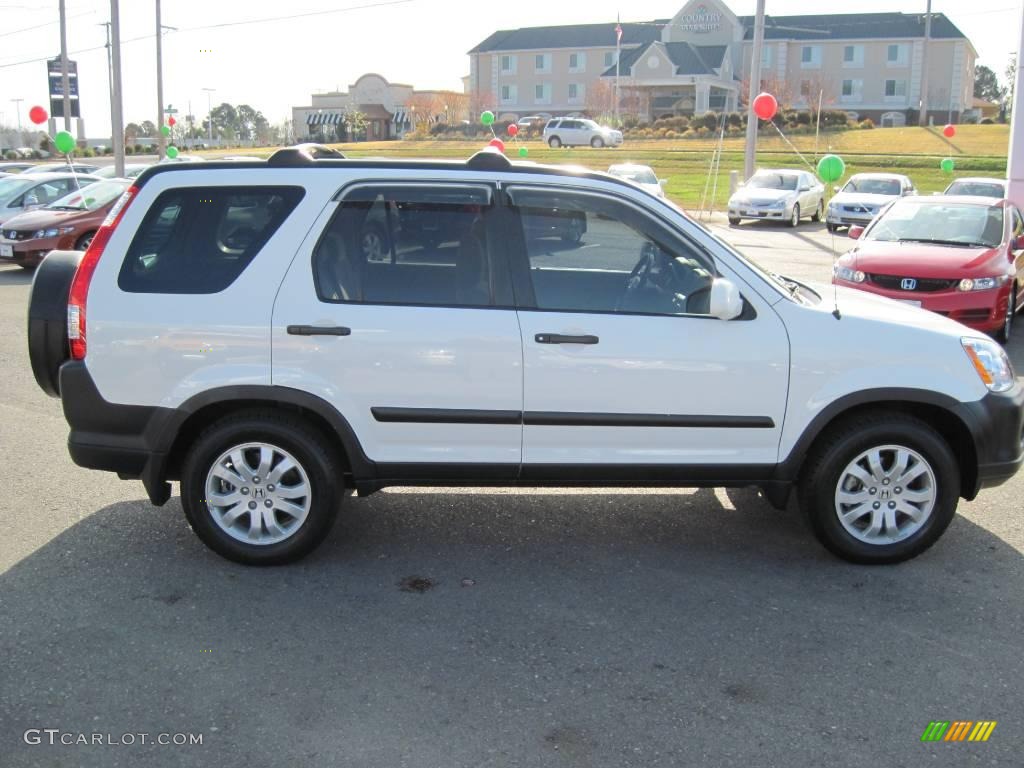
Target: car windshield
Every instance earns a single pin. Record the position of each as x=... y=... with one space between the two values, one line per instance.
x=940 y=223
x=873 y=186
x=90 y=198
x=785 y=181
x=975 y=189
x=12 y=187
x=638 y=175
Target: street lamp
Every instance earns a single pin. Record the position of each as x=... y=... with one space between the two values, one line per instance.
x=209 y=112
x=21 y=137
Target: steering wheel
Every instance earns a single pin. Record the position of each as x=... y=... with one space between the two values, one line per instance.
x=638 y=277
x=699 y=302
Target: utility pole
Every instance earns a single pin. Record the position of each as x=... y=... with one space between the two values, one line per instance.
x=209 y=114
x=110 y=83
x=65 y=85
x=923 y=114
x=755 y=86
x=115 y=94
x=161 y=142
x=21 y=136
x=1015 y=166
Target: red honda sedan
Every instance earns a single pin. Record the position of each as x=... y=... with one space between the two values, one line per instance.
x=962 y=257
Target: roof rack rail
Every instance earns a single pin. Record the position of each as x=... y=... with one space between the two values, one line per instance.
x=303 y=154
x=489 y=159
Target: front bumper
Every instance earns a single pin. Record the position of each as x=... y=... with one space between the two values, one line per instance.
x=981 y=310
x=997 y=425
x=846 y=219
x=758 y=212
x=28 y=252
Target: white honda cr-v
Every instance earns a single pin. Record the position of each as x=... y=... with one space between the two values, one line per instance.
x=514 y=325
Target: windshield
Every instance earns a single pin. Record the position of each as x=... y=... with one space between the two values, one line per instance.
x=785 y=181
x=975 y=189
x=12 y=187
x=639 y=175
x=91 y=198
x=889 y=187
x=940 y=223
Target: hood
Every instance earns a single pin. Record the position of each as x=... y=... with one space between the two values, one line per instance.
x=862 y=198
x=42 y=219
x=863 y=305
x=763 y=195
x=917 y=259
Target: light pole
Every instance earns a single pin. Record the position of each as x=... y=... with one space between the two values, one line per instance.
x=160 y=142
x=21 y=136
x=922 y=115
x=755 y=86
x=64 y=67
x=115 y=93
x=209 y=113
x=110 y=83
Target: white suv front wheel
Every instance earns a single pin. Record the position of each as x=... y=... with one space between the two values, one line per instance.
x=597 y=142
x=554 y=142
x=259 y=488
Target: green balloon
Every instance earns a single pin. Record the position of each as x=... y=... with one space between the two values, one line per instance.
x=165 y=130
x=523 y=151
x=831 y=168
x=64 y=142
x=487 y=118
x=947 y=165
x=172 y=152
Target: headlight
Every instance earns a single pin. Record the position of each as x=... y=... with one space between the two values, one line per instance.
x=991 y=363
x=848 y=275
x=982 y=283
x=778 y=204
x=53 y=232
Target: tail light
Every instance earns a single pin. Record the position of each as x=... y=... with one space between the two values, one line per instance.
x=80 y=284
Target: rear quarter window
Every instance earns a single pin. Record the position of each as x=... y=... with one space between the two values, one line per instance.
x=200 y=239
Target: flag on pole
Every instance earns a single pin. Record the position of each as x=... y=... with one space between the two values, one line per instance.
x=618 y=33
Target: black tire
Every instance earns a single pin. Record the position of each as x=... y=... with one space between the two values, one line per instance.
x=597 y=142
x=1004 y=333
x=554 y=142
x=819 y=214
x=83 y=242
x=296 y=437
x=845 y=441
x=734 y=221
x=28 y=267
x=794 y=220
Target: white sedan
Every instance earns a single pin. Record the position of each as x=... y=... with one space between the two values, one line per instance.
x=778 y=195
x=863 y=196
x=641 y=175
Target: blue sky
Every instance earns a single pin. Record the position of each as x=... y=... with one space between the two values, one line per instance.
x=275 y=65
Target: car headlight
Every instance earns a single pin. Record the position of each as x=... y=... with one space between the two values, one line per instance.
x=52 y=232
x=982 y=283
x=848 y=275
x=991 y=363
x=778 y=204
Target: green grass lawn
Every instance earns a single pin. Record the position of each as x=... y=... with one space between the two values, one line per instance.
x=978 y=150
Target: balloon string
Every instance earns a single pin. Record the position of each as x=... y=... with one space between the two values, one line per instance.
x=785 y=139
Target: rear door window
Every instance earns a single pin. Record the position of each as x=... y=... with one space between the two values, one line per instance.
x=200 y=239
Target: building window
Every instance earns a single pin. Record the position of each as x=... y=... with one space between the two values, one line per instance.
x=509 y=94
x=895 y=88
x=609 y=59
x=508 y=65
x=542 y=63
x=766 y=56
x=576 y=91
x=853 y=56
x=542 y=93
x=810 y=57
x=577 y=62
x=851 y=90
x=896 y=55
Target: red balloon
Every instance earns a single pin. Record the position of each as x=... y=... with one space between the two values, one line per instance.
x=38 y=115
x=497 y=144
x=171 y=121
x=513 y=129
x=949 y=131
x=765 y=106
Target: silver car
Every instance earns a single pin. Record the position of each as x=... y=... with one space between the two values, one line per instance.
x=978 y=186
x=26 y=191
x=863 y=196
x=580 y=132
x=778 y=195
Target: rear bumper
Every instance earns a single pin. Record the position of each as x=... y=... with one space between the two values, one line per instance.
x=997 y=424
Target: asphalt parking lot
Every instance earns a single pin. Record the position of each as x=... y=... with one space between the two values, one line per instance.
x=492 y=627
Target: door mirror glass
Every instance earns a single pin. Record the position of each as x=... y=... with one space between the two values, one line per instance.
x=726 y=302
x=855 y=232
x=1018 y=243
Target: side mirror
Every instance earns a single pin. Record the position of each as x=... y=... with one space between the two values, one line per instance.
x=835 y=189
x=663 y=182
x=855 y=232
x=804 y=188
x=725 y=301
x=1018 y=243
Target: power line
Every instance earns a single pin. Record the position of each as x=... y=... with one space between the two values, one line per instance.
x=44 y=24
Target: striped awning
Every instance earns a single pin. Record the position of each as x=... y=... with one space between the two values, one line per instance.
x=324 y=118
x=399 y=117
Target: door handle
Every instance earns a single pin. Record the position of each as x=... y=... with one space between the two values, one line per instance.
x=319 y=330
x=558 y=338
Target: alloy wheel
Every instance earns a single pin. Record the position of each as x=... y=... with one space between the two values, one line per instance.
x=886 y=494
x=258 y=493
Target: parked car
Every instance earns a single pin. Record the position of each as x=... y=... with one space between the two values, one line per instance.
x=68 y=224
x=643 y=175
x=962 y=257
x=14 y=166
x=27 y=191
x=183 y=159
x=62 y=168
x=778 y=195
x=978 y=187
x=131 y=170
x=224 y=329
x=580 y=132
x=863 y=196
x=531 y=121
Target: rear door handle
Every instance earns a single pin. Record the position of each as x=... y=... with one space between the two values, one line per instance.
x=319 y=330
x=558 y=338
